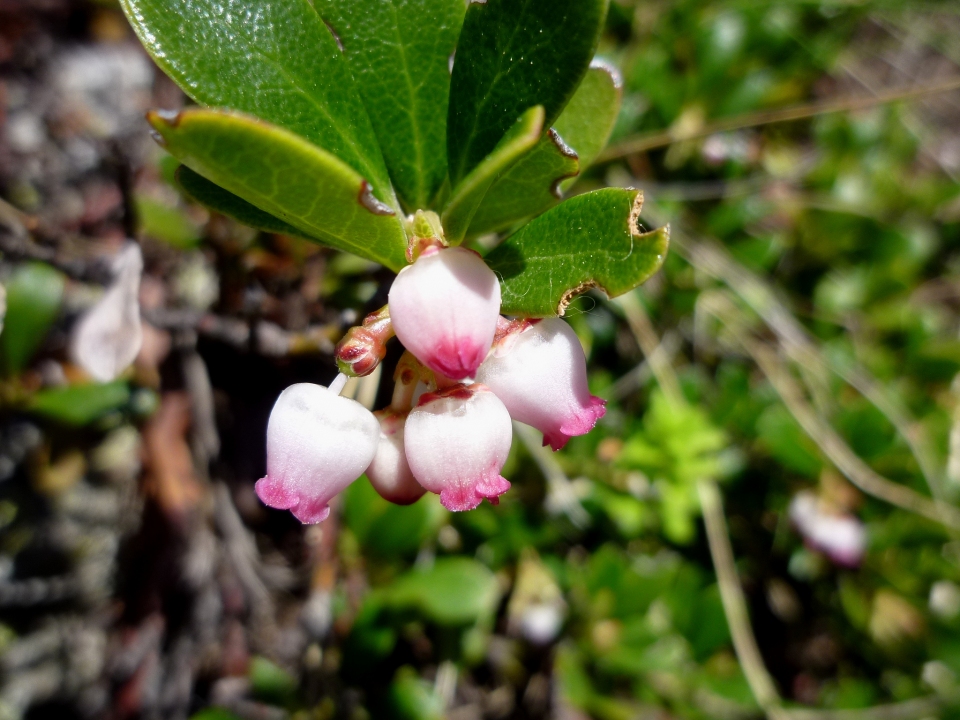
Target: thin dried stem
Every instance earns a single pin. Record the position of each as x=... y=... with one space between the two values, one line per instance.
x=642 y=143
x=650 y=345
x=734 y=603
x=819 y=430
x=745 y=645
x=710 y=258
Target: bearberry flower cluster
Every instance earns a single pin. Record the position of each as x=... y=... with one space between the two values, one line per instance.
x=467 y=371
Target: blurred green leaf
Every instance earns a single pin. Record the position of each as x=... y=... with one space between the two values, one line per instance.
x=214 y=713
x=287 y=177
x=786 y=441
x=512 y=56
x=386 y=530
x=677 y=447
x=400 y=53
x=167 y=224
x=591 y=240
x=455 y=591
x=79 y=405
x=275 y=61
x=270 y=682
x=34 y=293
x=413 y=698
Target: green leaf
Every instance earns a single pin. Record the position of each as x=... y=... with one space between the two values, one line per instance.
x=529 y=187
x=80 y=405
x=588 y=119
x=591 y=240
x=400 y=53
x=413 y=698
x=214 y=197
x=386 y=530
x=275 y=60
x=514 y=54
x=455 y=591
x=520 y=139
x=214 y=713
x=270 y=682
x=34 y=292
x=285 y=176
x=537 y=182
x=169 y=224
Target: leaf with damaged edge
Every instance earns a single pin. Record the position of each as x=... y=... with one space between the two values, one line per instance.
x=520 y=139
x=273 y=59
x=529 y=187
x=537 y=182
x=285 y=176
x=214 y=197
x=591 y=240
x=588 y=119
x=400 y=53
x=513 y=54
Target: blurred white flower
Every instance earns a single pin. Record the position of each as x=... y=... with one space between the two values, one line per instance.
x=106 y=340
x=842 y=538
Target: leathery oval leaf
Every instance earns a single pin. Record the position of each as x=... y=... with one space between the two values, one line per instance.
x=529 y=187
x=589 y=241
x=212 y=196
x=273 y=59
x=287 y=177
x=519 y=140
x=588 y=119
x=538 y=182
x=400 y=54
x=513 y=54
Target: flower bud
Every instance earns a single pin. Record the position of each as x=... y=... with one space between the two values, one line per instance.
x=317 y=444
x=457 y=440
x=540 y=373
x=389 y=472
x=363 y=347
x=445 y=308
x=359 y=353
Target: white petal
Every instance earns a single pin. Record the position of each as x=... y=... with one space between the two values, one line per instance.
x=444 y=309
x=456 y=444
x=106 y=340
x=317 y=444
x=540 y=374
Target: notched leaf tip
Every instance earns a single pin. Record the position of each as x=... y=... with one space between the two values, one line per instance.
x=570 y=295
x=169 y=117
x=568 y=152
x=610 y=69
x=634 y=221
x=371 y=203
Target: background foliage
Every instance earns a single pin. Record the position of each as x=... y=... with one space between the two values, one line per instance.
x=803 y=335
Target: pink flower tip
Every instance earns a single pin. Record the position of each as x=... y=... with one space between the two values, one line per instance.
x=456 y=442
x=580 y=424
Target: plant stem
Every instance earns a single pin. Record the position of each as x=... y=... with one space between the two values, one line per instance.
x=734 y=603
